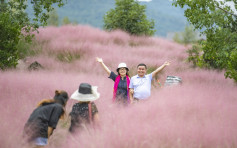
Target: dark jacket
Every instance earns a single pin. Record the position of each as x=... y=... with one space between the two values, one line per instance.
x=43 y=116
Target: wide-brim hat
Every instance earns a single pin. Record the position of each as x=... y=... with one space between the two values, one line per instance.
x=122 y=65
x=85 y=93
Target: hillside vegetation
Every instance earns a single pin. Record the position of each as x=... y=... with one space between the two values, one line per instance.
x=167 y=18
x=199 y=113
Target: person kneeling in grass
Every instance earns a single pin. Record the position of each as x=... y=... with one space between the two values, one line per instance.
x=43 y=120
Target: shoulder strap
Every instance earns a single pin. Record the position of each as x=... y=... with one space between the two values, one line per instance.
x=90 y=112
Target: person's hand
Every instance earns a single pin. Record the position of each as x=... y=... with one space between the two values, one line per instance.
x=99 y=60
x=131 y=91
x=167 y=63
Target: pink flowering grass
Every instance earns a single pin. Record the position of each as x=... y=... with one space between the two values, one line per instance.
x=197 y=114
x=74 y=48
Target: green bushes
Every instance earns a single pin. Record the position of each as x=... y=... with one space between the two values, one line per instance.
x=9 y=37
x=202 y=56
x=232 y=66
x=217 y=21
x=15 y=25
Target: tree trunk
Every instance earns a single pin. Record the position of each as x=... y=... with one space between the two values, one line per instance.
x=2 y=1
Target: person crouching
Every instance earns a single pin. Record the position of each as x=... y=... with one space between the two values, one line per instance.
x=43 y=120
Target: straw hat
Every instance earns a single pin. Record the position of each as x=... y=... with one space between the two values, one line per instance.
x=86 y=92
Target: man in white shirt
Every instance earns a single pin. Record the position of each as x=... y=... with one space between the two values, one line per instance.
x=140 y=84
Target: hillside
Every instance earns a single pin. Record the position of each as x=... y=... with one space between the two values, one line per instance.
x=167 y=18
x=200 y=113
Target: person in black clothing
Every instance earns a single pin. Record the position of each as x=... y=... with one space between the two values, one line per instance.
x=121 y=82
x=85 y=111
x=43 y=120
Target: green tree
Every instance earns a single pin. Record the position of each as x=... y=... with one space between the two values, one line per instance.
x=16 y=24
x=53 y=18
x=129 y=16
x=66 y=21
x=12 y=21
x=188 y=36
x=217 y=21
x=177 y=37
x=8 y=39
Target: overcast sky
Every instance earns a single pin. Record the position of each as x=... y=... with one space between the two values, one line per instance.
x=231 y=4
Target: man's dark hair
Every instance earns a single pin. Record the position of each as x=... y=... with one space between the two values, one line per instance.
x=141 y=64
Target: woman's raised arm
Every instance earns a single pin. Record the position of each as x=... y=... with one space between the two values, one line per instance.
x=103 y=65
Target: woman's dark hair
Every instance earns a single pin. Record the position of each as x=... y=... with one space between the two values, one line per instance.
x=126 y=72
x=61 y=97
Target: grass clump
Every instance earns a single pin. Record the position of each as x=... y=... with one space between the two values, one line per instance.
x=68 y=57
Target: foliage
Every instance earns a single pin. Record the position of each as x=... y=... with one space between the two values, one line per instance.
x=129 y=16
x=194 y=54
x=15 y=24
x=42 y=9
x=68 y=57
x=177 y=37
x=9 y=37
x=66 y=21
x=53 y=19
x=189 y=36
x=231 y=72
x=217 y=21
x=25 y=48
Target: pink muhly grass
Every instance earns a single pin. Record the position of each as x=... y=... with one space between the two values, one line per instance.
x=193 y=115
x=114 y=47
x=199 y=113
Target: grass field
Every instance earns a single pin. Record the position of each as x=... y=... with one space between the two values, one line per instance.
x=200 y=113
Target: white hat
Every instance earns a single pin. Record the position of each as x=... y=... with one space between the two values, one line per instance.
x=85 y=93
x=122 y=65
